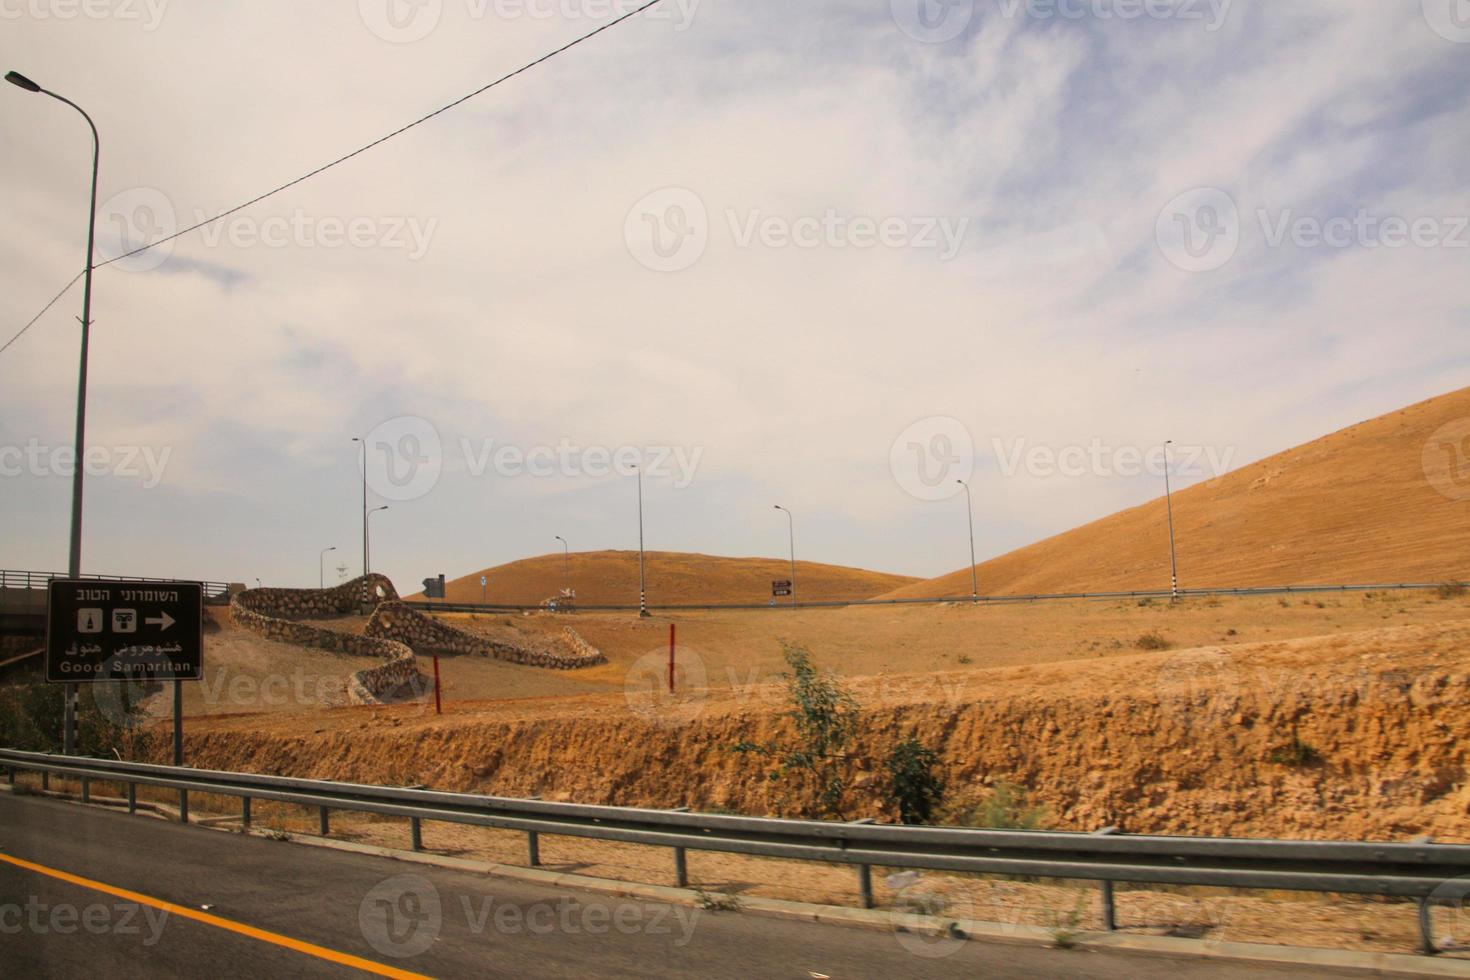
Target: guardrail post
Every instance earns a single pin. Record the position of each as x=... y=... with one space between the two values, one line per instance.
x=681 y=858
x=10 y=776
x=183 y=806
x=1109 y=908
x=1426 y=930
x=865 y=873
x=45 y=781
x=326 y=824
x=533 y=848
x=132 y=797
x=86 y=790
x=416 y=833
x=245 y=812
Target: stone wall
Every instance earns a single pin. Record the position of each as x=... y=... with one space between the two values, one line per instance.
x=397 y=621
x=581 y=648
x=344 y=600
x=275 y=614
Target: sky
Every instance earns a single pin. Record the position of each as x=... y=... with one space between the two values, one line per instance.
x=835 y=256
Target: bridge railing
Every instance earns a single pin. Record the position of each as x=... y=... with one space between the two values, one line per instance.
x=11 y=579
x=1422 y=871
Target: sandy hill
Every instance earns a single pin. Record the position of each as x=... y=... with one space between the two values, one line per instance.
x=611 y=578
x=1387 y=500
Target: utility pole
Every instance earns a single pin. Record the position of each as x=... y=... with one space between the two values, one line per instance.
x=791 y=538
x=1169 y=503
x=363 y=443
x=970 y=512
x=79 y=451
x=642 y=579
x=566 y=564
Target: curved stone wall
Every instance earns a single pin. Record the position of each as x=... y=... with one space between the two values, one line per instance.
x=393 y=633
x=276 y=613
x=397 y=621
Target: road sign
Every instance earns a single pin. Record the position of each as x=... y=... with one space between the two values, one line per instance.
x=781 y=588
x=99 y=630
x=483 y=581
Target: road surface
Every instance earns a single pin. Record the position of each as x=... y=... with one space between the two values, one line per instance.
x=92 y=893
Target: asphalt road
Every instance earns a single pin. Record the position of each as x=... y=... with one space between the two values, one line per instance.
x=87 y=893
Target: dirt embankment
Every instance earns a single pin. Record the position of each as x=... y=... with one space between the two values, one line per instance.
x=1353 y=736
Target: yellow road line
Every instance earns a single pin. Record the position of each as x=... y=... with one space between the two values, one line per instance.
x=320 y=952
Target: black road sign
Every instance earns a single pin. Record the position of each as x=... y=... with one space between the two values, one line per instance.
x=124 y=631
x=780 y=588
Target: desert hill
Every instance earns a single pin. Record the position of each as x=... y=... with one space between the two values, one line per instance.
x=1387 y=500
x=611 y=578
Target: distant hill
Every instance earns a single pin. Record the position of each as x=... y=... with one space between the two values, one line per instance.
x=611 y=578
x=1364 y=505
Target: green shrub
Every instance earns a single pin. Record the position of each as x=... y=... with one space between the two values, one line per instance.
x=1297 y=753
x=1152 y=640
x=826 y=716
x=1005 y=808
x=1451 y=590
x=914 y=788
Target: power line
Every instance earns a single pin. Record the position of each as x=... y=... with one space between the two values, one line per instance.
x=64 y=290
x=343 y=159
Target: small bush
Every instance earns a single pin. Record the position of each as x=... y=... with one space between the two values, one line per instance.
x=914 y=788
x=1451 y=590
x=1297 y=753
x=1152 y=641
x=1005 y=808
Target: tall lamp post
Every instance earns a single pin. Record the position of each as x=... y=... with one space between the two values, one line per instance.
x=791 y=537
x=970 y=512
x=642 y=579
x=1169 y=502
x=365 y=566
x=74 y=566
x=363 y=443
x=321 y=567
x=566 y=562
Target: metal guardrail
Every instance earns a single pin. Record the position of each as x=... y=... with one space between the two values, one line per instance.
x=1416 y=871
x=471 y=607
x=10 y=579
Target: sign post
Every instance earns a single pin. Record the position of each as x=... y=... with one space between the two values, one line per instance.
x=100 y=631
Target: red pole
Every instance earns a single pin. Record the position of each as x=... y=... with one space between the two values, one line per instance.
x=438 y=705
x=671 y=658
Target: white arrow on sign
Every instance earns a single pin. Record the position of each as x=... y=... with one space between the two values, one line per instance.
x=163 y=622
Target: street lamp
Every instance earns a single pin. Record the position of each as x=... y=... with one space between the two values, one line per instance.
x=363 y=442
x=566 y=562
x=1169 y=502
x=642 y=580
x=970 y=512
x=69 y=725
x=791 y=535
x=365 y=568
x=321 y=568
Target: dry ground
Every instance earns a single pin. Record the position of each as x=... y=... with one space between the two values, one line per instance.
x=739 y=649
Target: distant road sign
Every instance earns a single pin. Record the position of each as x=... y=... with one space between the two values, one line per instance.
x=781 y=588
x=100 y=630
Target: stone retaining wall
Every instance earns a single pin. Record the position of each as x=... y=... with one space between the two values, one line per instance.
x=581 y=648
x=274 y=614
x=397 y=621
